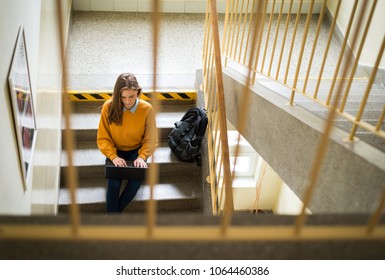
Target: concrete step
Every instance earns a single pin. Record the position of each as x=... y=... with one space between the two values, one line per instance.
x=85 y=124
x=92 y=156
x=90 y=134
x=358 y=86
x=372 y=139
x=357 y=89
x=350 y=105
x=361 y=133
x=90 y=162
x=347 y=125
x=172 y=193
x=171 y=169
x=374 y=98
x=368 y=114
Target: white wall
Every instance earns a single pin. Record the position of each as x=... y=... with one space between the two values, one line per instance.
x=376 y=32
x=275 y=195
x=287 y=203
x=13 y=13
x=245 y=195
x=44 y=72
x=171 y=6
x=167 y=6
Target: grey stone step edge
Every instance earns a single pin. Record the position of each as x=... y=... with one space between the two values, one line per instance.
x=170 y=188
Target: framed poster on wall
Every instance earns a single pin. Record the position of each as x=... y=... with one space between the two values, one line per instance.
x=22 y=105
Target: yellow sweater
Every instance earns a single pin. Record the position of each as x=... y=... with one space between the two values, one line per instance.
x=134 y=132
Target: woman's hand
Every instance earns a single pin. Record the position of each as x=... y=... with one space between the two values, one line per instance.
x=119 y=161
x=139 y=162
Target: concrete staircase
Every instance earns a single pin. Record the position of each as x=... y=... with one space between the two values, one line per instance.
x=287 y=137
x=179 y=188
x=372 y=111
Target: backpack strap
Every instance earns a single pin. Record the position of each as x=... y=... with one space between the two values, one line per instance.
x=202 y=122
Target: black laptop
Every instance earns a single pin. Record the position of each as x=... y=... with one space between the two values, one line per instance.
x=128 y=172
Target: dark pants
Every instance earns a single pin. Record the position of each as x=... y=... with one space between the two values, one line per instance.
x=116 y=202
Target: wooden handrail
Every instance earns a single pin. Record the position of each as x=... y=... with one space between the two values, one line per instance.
x=324 y=141
x=219 y=153
x=69 y=141
x=287 y=52
x=153 y=174
x=229 y=206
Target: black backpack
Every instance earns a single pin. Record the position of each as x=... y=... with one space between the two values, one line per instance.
x=185 y=139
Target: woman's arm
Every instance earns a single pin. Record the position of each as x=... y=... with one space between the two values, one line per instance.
x=150 y=137
x=105 y=143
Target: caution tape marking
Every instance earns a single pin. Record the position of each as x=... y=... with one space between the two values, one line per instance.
x=104 y=95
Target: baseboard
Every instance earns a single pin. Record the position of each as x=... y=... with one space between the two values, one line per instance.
x=363 y=70
x=380 y=75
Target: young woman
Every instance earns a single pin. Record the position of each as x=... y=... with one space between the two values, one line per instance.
x=127 y=132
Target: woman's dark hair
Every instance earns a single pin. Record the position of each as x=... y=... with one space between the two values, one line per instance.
x=124 y=81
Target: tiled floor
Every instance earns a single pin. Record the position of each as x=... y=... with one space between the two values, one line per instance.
x=104 y=44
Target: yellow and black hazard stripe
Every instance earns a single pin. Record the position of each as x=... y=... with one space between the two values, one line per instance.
x=89 y=95
x=181 y=96
x=104 y=95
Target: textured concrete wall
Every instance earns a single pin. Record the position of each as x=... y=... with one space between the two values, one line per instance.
x=287 y=137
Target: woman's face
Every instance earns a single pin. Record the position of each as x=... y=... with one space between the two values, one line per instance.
x=128 y=98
